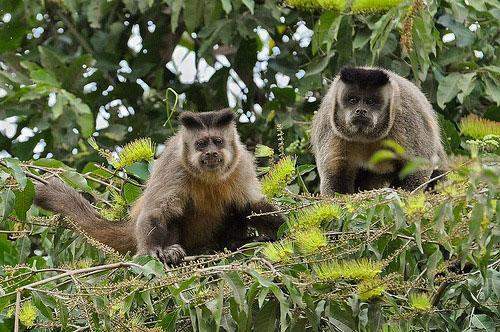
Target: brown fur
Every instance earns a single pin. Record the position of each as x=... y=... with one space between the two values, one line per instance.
x=186 y=208
x=342 y=160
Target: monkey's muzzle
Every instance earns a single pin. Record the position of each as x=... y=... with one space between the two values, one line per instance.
x=211 y=160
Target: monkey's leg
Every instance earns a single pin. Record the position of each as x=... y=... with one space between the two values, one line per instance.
x=339 y=179
x=413 y=180
x=159 y=237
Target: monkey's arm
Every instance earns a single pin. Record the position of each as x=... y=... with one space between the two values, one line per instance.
x=158 y=230
x=337 y=178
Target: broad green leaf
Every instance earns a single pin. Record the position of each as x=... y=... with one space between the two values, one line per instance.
x=226 y=5
x=75 y=180
x=24 y=199
x=448 y=89
x=250 y=4
x=14 y=166
x=7 y=201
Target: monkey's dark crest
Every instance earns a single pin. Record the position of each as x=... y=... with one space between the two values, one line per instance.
x=198 y=197
x=192 y=120
x=365 y=78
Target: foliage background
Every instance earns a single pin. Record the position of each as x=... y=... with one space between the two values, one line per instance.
x=58 y=60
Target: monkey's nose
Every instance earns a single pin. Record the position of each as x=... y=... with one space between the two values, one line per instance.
x=212 y=155
x=360 y=112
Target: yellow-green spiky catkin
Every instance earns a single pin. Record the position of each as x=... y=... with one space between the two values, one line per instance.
x=338 y=5
x=313 y=216
x=118 y=209
x=372 y=6
x=420 y=302
x=28 y=313
x=415 y=204
x=476 y=127
x=139 y=150
x=361 y=269
x=370 y=288
x=275 y=182
x=309 y=240
x=278 y=252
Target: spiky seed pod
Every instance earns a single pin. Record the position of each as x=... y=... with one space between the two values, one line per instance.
x=138 y=150
x=360 y=269
x=373 y=6
x=370 y=288
x=476 y=127
x=118 y=210
x=407 y=30
x=303 y=4
x=415 y=204
x=275 y=182
x=28 y=314
x=106 y=154
x=337 y=5
x=420 y=302
x=278 y=252
x=310 y=240
x=315 y=215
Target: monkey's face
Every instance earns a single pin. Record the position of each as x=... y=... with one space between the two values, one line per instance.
x=361 y=113
x=209 y=144
x=210 y=152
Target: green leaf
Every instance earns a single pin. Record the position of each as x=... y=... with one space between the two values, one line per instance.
x=464 y=37
x=41 y=76
x=17 y=172
x=7 y=199
x=483 y=322
x=24 y=200
x=448 y=89
x=75 y=180
x=226 y=5
x=193 y=14
x=174 y=17
x=168 y=323
x=250 y=4
x=266 y=317
x=131 y=192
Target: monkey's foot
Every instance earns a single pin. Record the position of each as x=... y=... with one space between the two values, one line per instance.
x=173 y=254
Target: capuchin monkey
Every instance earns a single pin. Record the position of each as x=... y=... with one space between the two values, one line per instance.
x=199 y=195
x=363 y=107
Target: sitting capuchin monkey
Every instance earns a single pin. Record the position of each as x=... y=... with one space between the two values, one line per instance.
x=199 y=195
x=363 y=107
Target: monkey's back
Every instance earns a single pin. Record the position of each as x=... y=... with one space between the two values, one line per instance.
x=415 y=124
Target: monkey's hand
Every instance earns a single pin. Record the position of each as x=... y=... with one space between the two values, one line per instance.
x=265 y=220
x=173 y=254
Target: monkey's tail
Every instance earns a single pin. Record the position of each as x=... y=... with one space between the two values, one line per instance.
x=58 y=197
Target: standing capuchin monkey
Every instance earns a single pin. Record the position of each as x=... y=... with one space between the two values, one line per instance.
x=363 y=107
x=200 y=193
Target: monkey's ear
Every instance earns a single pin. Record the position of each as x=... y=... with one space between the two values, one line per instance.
x=190 y=120
x=226 y=116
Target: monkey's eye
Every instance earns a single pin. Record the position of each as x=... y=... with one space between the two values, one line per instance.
x=353 y=100
x=201 y=144
x=371 y=101
x=217 y=141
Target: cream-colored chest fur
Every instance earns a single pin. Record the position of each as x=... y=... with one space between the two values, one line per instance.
x=207 y=207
